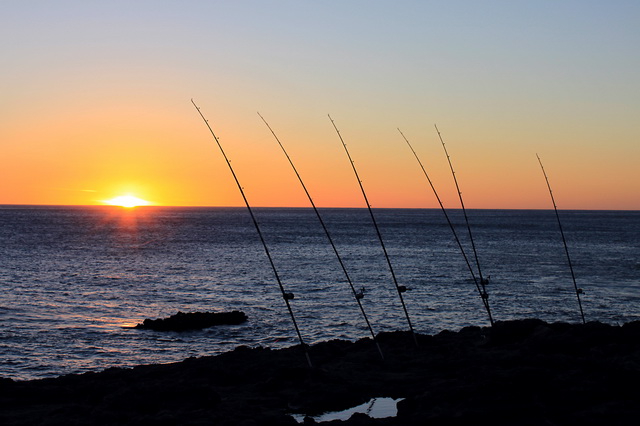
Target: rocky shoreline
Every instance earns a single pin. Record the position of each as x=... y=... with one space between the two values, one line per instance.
x=524 y=372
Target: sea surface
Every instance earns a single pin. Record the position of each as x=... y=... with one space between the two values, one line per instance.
x=75 y=280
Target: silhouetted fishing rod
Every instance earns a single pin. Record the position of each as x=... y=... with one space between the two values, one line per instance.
x=400 y=288
x=286 y=296
x=485 y=300
x=356 y=294
x=483 y=281
x=564 y=241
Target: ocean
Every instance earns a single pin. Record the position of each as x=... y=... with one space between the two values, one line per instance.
x=75 y=280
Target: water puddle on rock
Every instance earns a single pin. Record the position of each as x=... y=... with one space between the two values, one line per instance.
x=377 y=408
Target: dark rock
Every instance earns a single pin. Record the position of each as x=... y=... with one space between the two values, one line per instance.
x=523 y=372
x=508 y=332
x=193 y=321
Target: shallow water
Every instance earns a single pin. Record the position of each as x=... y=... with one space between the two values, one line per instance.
x=73 y=280
x=376 y=408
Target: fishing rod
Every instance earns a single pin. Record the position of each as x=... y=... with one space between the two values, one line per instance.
x=358 y=295
x=483 y=281
x=579 y=291
x=400 y=288
x=285 y=295
x=485 y=299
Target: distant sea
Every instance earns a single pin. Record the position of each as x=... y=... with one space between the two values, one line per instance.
x=74 y=280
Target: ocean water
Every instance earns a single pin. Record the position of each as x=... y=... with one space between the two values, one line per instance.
x=74 y=280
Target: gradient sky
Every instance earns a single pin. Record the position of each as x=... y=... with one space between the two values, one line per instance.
x=95 y=101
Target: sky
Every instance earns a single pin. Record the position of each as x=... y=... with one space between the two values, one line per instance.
x=95 y=102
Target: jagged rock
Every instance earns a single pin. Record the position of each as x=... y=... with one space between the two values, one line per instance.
x=193 y=321
x=523 y=372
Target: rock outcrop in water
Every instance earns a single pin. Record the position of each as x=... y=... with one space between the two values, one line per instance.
x=524 y=372
x=193 y=321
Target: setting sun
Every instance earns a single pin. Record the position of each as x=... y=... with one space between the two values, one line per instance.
x=127 y=201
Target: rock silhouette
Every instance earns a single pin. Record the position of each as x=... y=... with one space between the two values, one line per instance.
x=193 y=321
x=524 y=372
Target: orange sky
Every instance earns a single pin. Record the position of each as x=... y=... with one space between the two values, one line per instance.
x=96 y=104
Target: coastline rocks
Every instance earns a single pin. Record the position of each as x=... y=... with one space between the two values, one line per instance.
x=524 y=372
x=193 y=321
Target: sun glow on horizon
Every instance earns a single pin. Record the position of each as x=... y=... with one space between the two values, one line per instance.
x=127 y=201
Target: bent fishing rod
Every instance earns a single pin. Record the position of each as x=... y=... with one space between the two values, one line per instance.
x=483 y=281
x=485 y=300
x=578 y=290
x=286 y=296
x=400 y=288
x=358 y=295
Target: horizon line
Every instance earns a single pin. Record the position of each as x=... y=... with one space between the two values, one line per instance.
x=305 y=207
